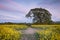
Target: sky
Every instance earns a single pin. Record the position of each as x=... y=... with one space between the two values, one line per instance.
x=15 y=10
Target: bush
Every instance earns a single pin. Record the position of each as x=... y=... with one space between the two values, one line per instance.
x=9 y=34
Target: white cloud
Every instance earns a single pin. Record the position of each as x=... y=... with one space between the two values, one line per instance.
x=8 y=16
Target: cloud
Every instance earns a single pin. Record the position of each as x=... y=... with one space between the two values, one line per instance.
x=12 y=10
x=4 y=17
x=16 y=7
x=10 y=16
x=9 y=9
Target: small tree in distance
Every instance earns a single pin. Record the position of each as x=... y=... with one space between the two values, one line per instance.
x=40 y=15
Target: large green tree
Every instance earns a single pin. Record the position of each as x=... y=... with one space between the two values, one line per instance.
x=40 y=15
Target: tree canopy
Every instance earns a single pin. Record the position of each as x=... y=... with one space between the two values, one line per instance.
x=40 y=15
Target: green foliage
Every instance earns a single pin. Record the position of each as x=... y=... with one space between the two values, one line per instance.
x=9 y=34
x=40 y=15
x=37 y=36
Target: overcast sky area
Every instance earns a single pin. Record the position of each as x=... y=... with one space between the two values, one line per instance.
x=15 y=10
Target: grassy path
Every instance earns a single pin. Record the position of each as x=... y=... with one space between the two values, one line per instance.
x=28 y=34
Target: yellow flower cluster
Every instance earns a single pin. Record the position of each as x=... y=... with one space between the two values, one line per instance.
x=17 y=27
x=9 y=34
x=50 y=33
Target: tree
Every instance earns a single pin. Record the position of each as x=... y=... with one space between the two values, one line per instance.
x=39 y=15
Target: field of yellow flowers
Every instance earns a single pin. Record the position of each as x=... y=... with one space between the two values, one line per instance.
x=48 y=32
x=15 y=26
x=9 y=34
x=45 y=32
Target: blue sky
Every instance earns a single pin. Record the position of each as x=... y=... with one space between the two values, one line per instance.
x=15 y=10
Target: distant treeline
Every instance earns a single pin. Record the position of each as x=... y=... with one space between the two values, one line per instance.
x=11 y=23
x=30 y=23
